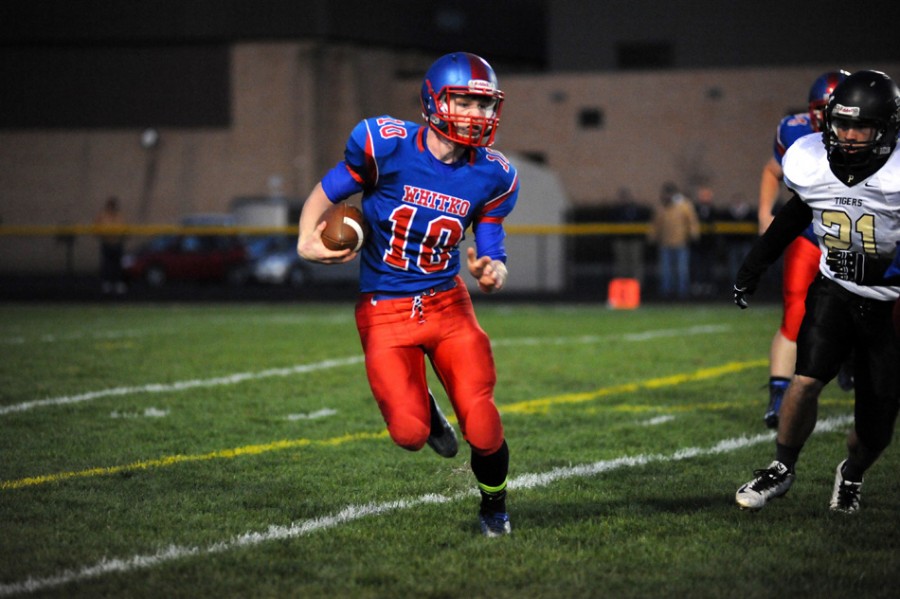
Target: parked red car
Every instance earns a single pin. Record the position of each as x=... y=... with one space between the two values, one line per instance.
x=188 y=258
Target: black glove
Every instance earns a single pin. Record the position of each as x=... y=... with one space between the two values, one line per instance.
x=741 y=297
x=859 y=267
x=745 y=284
x=846 y=265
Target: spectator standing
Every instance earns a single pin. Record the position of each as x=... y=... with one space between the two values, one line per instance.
x=628 y=249
x=705 y=256
x=112 y=246
x=737 y=244
x=674 y=227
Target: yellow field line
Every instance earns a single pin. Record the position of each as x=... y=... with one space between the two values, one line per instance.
x=180 y=459
x=523 y=407
x=542 y=405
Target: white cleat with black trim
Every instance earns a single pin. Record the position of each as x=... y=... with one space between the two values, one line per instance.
x=769 y=483
x=845 y=496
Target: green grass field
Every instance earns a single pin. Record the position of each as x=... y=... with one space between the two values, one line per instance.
x=235 y=451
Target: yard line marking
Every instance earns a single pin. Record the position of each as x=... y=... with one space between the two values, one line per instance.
x=323 y=413
x=55 y=337
x=544 y=404
x=657 y=420
x=357 y=512
x=304 y=368
x=16 y=339
x=150 y=412
x=182 y=459
x=523 y=407
x=588 y=339
x=231 y=379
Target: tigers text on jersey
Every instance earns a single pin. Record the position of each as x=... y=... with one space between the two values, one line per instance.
x=862 y=218
x=419 y=208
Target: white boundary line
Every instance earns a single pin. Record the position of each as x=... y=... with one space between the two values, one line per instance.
x=357 y=512
x=325 y=364
x=181 y=385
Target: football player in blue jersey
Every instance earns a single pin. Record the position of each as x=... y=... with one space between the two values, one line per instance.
x=846 y=182
x=423 y=186
x=801 y=259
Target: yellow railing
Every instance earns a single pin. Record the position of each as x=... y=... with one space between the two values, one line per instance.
x=597 y=228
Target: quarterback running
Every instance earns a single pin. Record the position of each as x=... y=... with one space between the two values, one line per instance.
x=423 y=186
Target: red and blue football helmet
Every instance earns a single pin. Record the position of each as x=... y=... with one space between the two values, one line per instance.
x=461 y=73
x=819 y=93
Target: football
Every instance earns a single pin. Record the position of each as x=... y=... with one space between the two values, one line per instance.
x=345 y=229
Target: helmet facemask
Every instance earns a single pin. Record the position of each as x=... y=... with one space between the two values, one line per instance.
x=817 y=114
x=461 y=100
x=465 y=115
x=857 y=153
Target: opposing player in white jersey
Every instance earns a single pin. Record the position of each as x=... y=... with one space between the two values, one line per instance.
x=849 y=188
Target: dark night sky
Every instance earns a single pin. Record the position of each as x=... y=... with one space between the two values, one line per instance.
x=512 y=29
x=533 y=35
x=58 y=56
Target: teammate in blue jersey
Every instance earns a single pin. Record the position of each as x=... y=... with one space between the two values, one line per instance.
x=845 y=182
x=801 y=259
x=423 y=186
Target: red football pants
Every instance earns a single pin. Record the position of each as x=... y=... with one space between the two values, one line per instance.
x=397 y=334
x=801 y=265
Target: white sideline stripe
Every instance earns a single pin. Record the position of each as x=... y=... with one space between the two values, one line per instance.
x=357 y=512
x=586 y=339
x=657 y=420
x=138 y=333
x=323 y=413
x=304 y=368
x=54 y=338
x=182 y=385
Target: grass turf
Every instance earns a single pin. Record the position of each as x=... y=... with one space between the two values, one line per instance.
x=235 y=451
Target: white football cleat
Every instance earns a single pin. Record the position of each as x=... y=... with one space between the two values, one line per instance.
x=845 y=497
x=769 y=483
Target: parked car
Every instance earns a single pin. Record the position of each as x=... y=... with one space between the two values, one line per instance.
x=274 y=261
x=188 y=258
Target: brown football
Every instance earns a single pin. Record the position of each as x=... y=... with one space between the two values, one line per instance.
x=346 y=228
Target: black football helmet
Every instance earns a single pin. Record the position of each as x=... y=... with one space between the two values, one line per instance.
x=864 y=99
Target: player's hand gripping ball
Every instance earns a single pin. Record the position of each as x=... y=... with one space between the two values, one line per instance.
x=345 y=229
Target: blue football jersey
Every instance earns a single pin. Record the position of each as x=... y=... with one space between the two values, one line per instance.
x=790 y=129
x=419 y=208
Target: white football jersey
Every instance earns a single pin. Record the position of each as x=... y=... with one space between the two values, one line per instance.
x=862 y=218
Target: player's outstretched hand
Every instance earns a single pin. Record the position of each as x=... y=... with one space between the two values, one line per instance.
x=741 y=297
x=491 y=274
